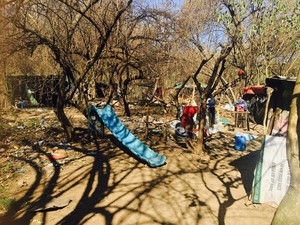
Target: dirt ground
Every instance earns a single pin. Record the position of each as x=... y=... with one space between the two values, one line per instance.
x=52 y=181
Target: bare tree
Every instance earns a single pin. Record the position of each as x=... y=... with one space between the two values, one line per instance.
x=76 y=33
x=213 y=45
x=140 y=52
x=3 y=62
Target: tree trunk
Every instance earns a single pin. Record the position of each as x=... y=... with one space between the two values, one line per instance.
x=4 y=101
x=288 y=210
x=165 y=133
x=60 y=113
x=146 y=135
x=269 y=94
x=63 y=119
x=200 y=142
x=225 y=83
x=126 y=107
x=124 y=92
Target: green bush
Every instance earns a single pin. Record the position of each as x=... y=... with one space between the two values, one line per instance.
x=6 y=203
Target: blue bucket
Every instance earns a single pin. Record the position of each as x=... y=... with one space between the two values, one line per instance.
x=240 y=143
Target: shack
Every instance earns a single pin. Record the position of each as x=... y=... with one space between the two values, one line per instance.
x=279 y=105
x=34 y=90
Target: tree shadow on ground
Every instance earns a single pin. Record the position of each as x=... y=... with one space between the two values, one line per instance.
x=21 y=212
x=97 y=188
x=229 y=179
x=246 y=166
x=99 y=173
x=122 y=191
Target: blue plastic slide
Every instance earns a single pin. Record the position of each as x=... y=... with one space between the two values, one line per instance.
x=113 y=123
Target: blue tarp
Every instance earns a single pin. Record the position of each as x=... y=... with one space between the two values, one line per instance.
x=113 y=123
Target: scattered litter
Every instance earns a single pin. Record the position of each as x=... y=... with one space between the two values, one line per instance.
x=22 y=183
x=42 y=121
x=249 y=137
x=224 y=121
x=21 y=171
x=228 y=107
x=55 y=156
x=182 y=132
x=91 y=153
x=33 y=155
x=214 y=129
x=42 y=142
x=48 y=169
x=53 y=204
x=174 y=123
x=5 y=142
x=36 y=221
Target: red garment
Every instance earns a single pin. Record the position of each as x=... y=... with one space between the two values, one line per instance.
x=188 y=113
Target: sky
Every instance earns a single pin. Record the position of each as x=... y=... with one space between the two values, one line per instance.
x=178 y=3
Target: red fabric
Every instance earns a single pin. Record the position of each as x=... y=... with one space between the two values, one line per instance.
x=188 y=113
x=253 y=90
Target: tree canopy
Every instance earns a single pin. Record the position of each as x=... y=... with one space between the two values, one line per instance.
x=126 y=43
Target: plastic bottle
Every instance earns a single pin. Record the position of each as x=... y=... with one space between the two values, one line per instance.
x=240 y=143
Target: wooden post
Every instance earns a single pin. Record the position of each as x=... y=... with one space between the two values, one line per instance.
x=193 y=94
x=269 y=94
x=147 y=123
x=165 y=136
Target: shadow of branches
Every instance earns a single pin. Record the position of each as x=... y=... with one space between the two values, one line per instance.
x=106 y=185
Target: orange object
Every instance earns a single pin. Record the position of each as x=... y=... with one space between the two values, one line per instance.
x=55 y=156
x=241 y=72
x=253 y=90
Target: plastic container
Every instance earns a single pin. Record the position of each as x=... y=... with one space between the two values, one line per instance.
x=240 y=143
